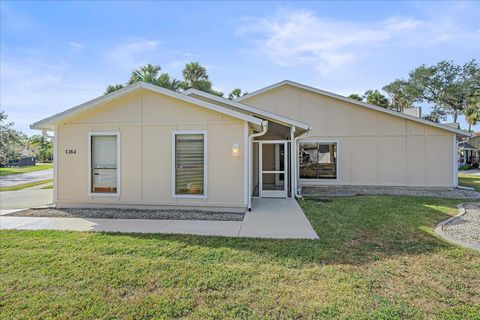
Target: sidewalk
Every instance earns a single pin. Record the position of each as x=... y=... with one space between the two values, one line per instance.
x=270 y=218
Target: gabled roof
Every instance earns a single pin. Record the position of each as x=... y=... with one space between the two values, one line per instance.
x=247 y=108
x=356 y=102
x=466 y=146
x=47 y=123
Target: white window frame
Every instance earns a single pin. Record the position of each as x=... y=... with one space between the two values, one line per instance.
x=205 y=164
x=89 y=184
x=306 y=181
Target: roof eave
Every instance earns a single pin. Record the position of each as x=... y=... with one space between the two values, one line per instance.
x=360 y=103
x=269 y=115
x=49 y=122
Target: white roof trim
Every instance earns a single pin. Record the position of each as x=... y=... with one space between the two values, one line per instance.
x=353 y=101
x=137 y=86
x=248 y=108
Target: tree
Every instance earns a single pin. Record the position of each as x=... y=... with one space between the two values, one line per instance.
x=151 y=74
x=45 y=147
x=236 y=93
x=447 y=85
x=436 y=115
x=355 y=96
x=112 y=88
x=195 y=76
x=10 y=139
x=376 y=98
x=402 y=94
x=472 y=110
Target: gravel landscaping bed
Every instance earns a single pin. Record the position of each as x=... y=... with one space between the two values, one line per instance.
x=466 y=227
x=348 y=191
x=113 y=213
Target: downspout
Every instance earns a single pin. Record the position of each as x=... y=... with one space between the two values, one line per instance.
x=250 y=161
x=294 y=169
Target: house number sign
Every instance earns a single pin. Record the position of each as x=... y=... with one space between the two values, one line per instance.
x=70 y=151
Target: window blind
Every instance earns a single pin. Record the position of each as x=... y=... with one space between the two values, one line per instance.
x=189 y=164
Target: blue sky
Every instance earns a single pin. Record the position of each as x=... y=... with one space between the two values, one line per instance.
x=55 y=55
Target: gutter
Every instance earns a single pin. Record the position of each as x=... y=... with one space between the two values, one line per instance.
x=294 y=169
x=250 y=161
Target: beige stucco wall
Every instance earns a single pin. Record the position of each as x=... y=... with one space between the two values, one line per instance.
x=374 y=148
x=145 y=121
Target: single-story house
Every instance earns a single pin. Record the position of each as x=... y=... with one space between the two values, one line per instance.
x=468 y=152
x=146 y=146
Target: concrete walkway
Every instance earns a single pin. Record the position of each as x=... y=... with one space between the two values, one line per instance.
x=270 y=218
x=20 y=178
x=277 y=218
x=474 y=172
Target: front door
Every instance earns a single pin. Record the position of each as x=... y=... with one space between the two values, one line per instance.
x=273 y=169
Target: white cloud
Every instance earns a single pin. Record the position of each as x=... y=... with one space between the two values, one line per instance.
x=33 y=89
x=301 y=37
x=75 y=47
x=131 y=54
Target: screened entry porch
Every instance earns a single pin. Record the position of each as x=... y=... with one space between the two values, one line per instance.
x=272 y=163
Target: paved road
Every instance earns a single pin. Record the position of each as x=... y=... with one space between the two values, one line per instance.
x=25 y=199
x=14 y=179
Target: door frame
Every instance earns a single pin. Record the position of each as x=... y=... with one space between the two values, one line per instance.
x=273 y=193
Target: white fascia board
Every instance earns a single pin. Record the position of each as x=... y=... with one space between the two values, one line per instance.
x=356 y=102
x=48 y=122
x=248 y=108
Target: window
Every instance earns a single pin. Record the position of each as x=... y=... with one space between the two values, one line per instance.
x=318 y=160
x=104 y=163
x=189 y=164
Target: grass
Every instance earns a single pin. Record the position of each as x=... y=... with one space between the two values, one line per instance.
x=17 y=170
x=26 y=185
x=377 y=258
x=469 y=180
x=48 y=187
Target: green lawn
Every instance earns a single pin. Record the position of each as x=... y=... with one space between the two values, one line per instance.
x=377 y=258
x=27 y=185
x=38 y=167
x=469 y=180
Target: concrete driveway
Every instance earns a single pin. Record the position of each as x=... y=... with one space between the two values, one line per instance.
x=25 y=199
x=14 y=179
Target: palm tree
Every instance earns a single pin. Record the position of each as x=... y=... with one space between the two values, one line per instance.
x=151 y=74
x=355 y=96
x=147 y=73
x=236 y=93
x=112 y=88
x=472 y=111
x=376 y=98
x=195 y=76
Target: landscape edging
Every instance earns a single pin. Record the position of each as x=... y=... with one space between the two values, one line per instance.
x=439 y=230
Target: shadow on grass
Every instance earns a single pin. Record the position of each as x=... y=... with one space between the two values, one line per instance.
x=352 y=230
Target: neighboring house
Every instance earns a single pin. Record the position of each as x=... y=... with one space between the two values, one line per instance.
x=148 y=146
x=468 y=150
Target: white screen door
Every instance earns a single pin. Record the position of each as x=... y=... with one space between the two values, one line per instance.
x=273 y=169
